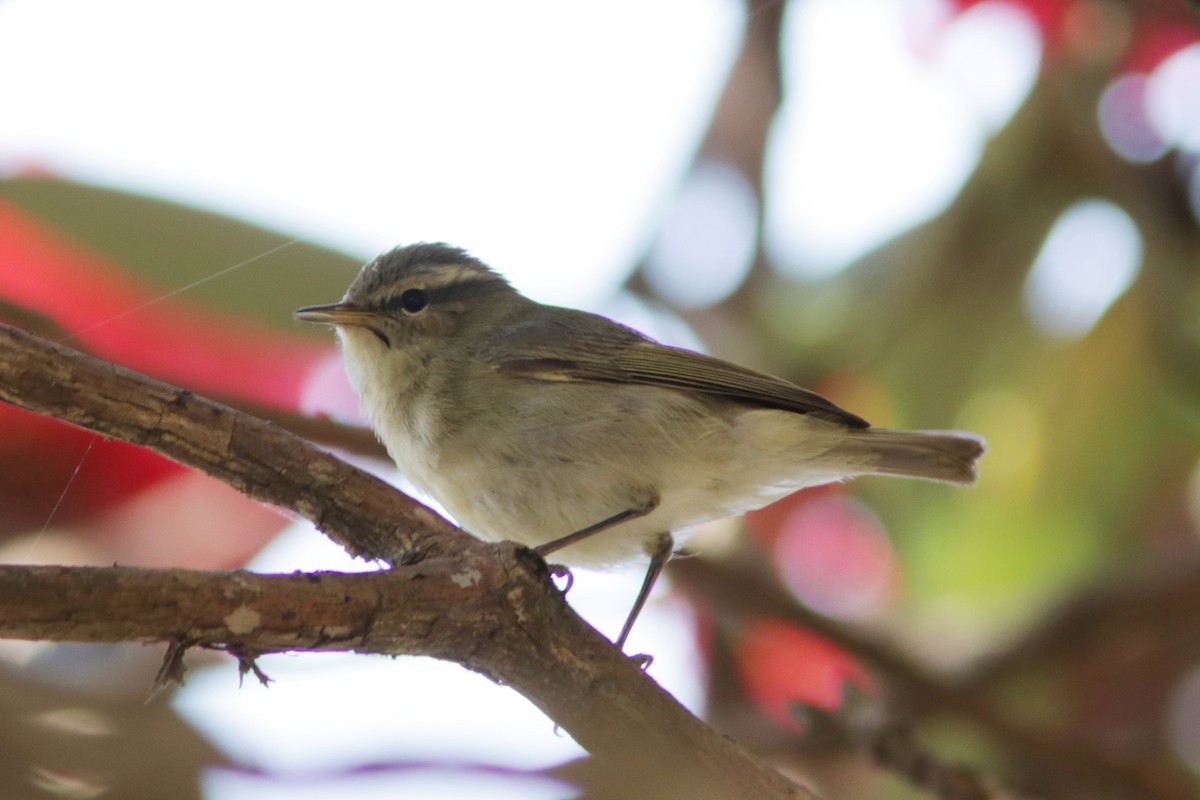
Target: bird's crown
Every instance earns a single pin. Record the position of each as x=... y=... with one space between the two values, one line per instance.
x=430 y=266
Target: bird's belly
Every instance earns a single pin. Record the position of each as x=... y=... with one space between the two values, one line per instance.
x=501 y=505
x=541 y=481
x=539 y=501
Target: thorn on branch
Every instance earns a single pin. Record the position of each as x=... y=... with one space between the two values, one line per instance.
x=172 y=670
x=248 y=663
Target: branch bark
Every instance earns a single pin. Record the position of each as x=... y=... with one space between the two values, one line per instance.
x=350 y=438
x=489 y=607
x=358 y=511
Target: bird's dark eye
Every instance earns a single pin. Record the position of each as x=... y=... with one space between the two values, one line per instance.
x=413 y=300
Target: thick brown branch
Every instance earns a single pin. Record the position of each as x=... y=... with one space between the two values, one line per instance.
x=441 y=608
x=490 y=611
x=358 y=511
x=491 y=608
x=318 y=429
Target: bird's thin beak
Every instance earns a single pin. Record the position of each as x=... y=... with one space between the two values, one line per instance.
x=336 y=314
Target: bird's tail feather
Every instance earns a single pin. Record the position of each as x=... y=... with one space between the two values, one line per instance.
x=948 y=456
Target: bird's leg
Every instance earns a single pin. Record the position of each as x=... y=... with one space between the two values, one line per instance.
x=546 y=549
x=660 y=554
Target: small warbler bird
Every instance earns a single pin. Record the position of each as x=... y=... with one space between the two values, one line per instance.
x=566 y=431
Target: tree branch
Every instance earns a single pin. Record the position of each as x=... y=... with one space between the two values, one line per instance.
x=358 y=511
x=491 y=608
x=915 y=690
x=351 y=438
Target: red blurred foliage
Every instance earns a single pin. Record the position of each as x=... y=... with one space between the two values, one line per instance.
x=768 y=523
x=1160 y=28
x=833 y=553
x=1050 y=15
x=1158 y=41
x=780 y=664
x=117 y=318
x=112 y=316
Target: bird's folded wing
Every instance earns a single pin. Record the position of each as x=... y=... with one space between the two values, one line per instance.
x=652 y=364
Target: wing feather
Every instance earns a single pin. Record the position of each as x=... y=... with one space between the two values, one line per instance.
x=601 y=351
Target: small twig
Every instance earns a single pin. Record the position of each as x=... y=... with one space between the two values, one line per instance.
x=896 y=749
x=322 y=430
x=893 y=747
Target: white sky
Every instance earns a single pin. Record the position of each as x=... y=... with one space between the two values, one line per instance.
x=539 y=135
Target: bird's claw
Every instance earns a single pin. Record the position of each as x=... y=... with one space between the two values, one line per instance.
x=562 y=571
x=643 y=660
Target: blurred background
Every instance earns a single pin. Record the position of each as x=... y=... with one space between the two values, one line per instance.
x=977 y=215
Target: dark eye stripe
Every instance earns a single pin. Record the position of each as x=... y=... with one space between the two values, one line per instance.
x=416 y=299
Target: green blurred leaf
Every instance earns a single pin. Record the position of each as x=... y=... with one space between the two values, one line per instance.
x=173 y=246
